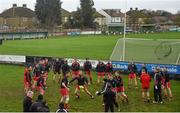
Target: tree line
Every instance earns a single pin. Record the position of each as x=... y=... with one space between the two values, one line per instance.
x=49 y=15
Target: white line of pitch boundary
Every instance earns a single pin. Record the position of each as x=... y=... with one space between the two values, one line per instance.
x=178 y=59
x=152 y=39
x=114 y=49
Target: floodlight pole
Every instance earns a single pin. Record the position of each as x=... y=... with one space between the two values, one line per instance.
x=124 y=36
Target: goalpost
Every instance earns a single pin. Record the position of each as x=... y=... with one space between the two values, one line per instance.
x=162 y=51
x=124 y=36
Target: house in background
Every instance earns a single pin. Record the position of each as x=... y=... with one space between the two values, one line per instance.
x=65 y=15
x=18 y=17
x=100 y=20
x=114 y=20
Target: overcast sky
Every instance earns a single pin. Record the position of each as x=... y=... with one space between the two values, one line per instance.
x=70 y=5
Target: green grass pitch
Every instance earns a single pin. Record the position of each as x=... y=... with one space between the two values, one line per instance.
x=11 y=93
x=94 y=47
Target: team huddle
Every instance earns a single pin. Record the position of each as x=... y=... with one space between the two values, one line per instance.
x=35 y=78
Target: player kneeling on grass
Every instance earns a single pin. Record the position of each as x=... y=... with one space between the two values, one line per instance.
x=166 y=84
x=27 y=78
x=120 y=88
x=100 y=69
x=82 y=83
x=145 y=80
x=64 y=91
x=87 y=69
x=132 y=74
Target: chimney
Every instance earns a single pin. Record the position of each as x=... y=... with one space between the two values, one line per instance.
x=14 y=5
x=24 y=6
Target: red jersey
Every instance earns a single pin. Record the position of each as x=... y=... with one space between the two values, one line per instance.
x=75 y=66
x=145 y=80
x=109 y=68
x=27 y=76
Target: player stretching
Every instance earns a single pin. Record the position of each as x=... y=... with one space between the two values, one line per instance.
x=120 y=88
x=109 y=69
x=64 y=91
x=81 y=84
x=100 y=69
x=132 y=74
x=167 y=84
x=145 y=80
x=27 y=78
x=41 y=84
x=87 y=69
x=75 y=68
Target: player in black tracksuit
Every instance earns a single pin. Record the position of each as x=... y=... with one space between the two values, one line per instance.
x=112 y=82
x=109 y=98
x=158 y=86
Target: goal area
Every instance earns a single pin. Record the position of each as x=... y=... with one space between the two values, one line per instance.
x=160 y=51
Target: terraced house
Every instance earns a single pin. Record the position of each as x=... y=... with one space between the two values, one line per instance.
x=18 y=17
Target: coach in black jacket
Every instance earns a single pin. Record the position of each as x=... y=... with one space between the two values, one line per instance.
x=109 y=98
x=39 y=105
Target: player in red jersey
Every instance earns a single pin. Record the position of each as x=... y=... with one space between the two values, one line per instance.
x=36 y=75
x=100 y=69
x=27 y=78
x=82 y=83
x=87 y=69
x=109 y=69
x=166 y=84
x=132 y=69
x=64 y=91
x=75 y=68
x=145 y=81
x=120 y=88
x=41 y=84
